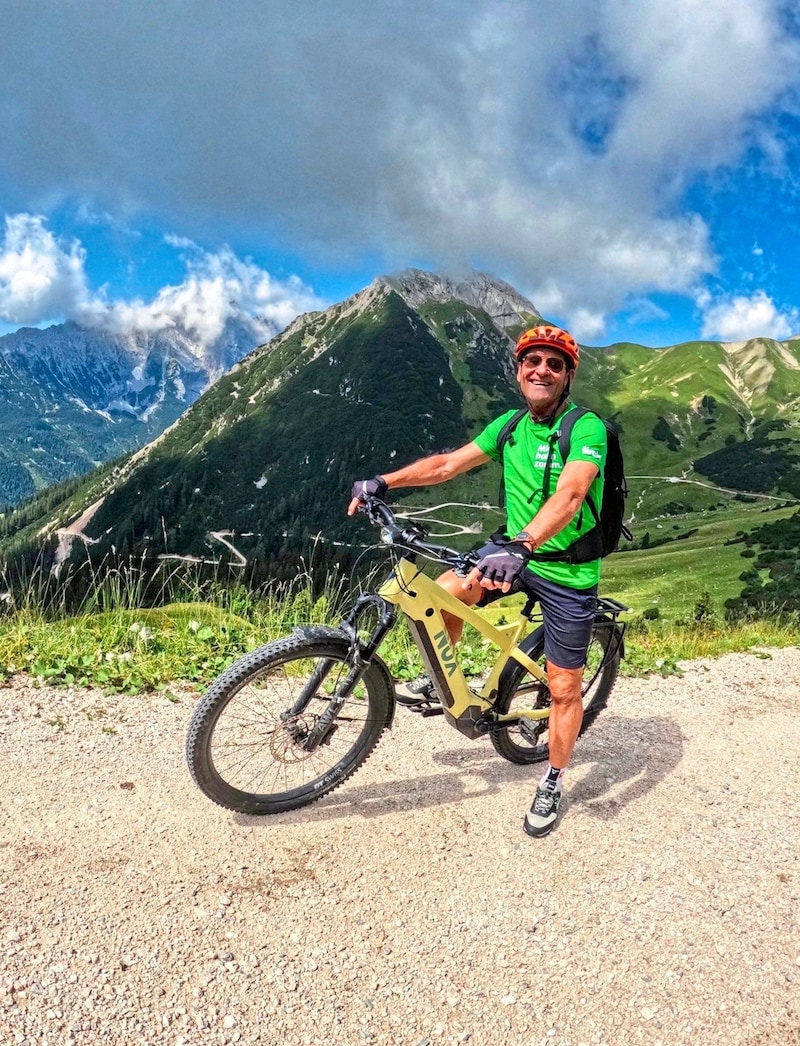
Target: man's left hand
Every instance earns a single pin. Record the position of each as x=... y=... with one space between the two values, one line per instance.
x=501 y=568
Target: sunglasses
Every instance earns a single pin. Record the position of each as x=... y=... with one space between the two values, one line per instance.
x=531 y=360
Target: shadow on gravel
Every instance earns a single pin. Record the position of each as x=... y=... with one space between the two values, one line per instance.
x=626 y=758
x=470 y=778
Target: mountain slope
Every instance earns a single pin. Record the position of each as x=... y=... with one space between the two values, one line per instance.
x=273 y=450
x=415 y=364
x=72 y=398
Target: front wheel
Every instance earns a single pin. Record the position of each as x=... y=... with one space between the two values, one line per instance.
x=257 y=742
x=527 y=740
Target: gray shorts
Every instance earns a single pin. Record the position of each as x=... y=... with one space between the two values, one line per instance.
x=568 y=614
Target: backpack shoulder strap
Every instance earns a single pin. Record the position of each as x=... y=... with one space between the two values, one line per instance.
x=506 y=432
x=561 y=439
x=565 y=429
x=564 y=439
x=504 y=436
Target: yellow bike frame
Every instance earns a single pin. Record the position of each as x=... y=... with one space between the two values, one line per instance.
x=422 y=601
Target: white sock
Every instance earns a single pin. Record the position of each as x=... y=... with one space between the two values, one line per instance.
x=552 y=778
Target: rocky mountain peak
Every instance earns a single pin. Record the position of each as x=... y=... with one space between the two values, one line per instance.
x=505 y=305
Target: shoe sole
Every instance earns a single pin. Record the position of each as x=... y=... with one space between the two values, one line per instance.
x=408 y=697
x=538 y=833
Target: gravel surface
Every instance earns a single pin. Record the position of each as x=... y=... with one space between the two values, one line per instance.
x=408 y=907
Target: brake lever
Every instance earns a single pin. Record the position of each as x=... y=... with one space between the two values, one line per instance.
x=465 y=565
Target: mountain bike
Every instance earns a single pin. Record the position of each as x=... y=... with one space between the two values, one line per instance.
x=292 y=720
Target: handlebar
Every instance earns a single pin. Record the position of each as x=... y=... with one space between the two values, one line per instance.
x=412 y=537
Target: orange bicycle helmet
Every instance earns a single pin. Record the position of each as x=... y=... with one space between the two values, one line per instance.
x=552 y=338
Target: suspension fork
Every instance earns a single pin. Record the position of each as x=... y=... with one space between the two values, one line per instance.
x=361 y=654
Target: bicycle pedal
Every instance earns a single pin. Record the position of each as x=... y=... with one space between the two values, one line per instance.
x=532 y=730
x=424 y=707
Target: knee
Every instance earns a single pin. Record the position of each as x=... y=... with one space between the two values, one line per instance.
x=455 y=586
x=565 y=685
x=452 y=584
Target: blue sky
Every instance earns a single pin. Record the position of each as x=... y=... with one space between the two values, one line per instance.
x=632 y=168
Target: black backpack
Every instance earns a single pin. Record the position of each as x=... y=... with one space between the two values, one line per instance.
x=609 y=525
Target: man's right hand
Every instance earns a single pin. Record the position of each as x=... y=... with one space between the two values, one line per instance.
x=366 y=488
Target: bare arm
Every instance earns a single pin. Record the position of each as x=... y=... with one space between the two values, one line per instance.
x=572 y=487
x=563 y=505
x=437 y=468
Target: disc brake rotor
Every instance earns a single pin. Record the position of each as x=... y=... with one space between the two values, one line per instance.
x=286 y=743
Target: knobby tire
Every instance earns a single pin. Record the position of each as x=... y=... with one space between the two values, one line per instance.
x=245 y=741
x=519 y=689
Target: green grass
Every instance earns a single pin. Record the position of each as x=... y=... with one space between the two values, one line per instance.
x=133 y=651
x=113 y=642
x=125 y=650
x=672 y=577
x=659 y=646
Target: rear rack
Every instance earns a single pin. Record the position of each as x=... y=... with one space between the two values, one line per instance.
x=607 y=605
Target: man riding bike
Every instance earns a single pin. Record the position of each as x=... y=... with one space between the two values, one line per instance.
x=546 y=359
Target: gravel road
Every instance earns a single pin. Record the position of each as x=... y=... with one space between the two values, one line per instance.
x=408 y=907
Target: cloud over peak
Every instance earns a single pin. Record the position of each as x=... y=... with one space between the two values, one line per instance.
x=552 y=145
x=39 y=278
x=742 y=317
x=43 y=280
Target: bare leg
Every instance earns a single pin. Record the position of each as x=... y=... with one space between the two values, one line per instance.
x=454 y=585
x=566 y=713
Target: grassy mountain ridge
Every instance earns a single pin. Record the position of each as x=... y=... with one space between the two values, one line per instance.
x=266 y=458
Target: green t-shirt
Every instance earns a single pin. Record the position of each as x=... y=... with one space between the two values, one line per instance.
x=525 y=460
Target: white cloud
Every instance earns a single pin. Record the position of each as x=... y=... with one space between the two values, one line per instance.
x=219 y=287
x=643 y=310
x=700 y=72
x=741 y=318
x=551 y=144
x=585 y=324
x=567 y=171
x=42 y=280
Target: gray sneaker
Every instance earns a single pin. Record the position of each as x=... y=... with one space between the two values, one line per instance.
x=541 y=817
x=422 y=686
x=416 y=692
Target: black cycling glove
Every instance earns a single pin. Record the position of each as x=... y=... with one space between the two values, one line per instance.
x=506 y=564
x=370 y=488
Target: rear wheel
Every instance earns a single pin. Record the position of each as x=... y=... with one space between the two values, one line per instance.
x=527 y=740
x=256 y=741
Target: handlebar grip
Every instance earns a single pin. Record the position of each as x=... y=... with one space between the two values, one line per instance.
x=413 y=537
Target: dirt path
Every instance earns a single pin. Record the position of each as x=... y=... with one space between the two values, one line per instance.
x=408 y=907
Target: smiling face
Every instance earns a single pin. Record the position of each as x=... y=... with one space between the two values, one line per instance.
x=542 y=375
